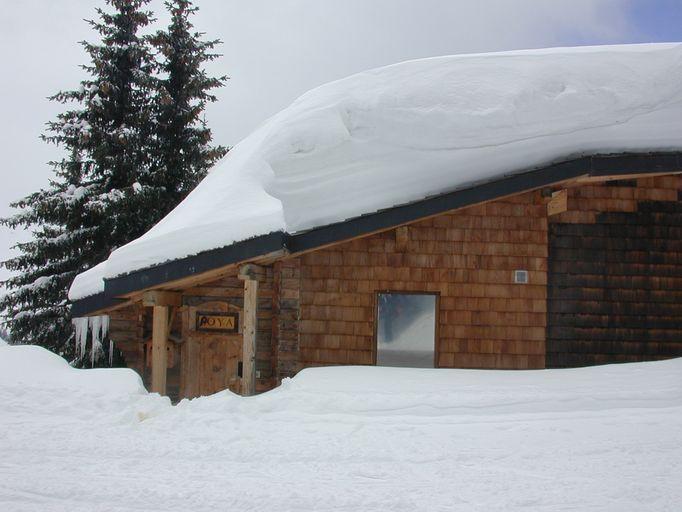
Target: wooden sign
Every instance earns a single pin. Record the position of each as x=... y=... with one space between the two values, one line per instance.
x=218 y=322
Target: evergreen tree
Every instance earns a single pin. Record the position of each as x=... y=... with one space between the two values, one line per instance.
x=36 y=307
x=136 y=144
x=5 y=336
x=119 y=113
x=82 y=216
x=184 y=153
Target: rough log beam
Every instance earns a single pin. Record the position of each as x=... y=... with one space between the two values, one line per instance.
x=250 y=274
x=159 y=354
x=161 y=298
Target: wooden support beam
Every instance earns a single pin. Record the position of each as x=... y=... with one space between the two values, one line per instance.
x=249 y=337
x=250 y=271
x=161 y=298
x=159 y=354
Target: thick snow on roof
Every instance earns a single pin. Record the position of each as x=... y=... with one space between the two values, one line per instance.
x=403 y=132
x=88 y=283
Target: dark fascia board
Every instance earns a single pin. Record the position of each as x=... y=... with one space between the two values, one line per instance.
x=177 y=269
x=88 y=305
x=636 y=163
x=596 y=165
x=197 y=264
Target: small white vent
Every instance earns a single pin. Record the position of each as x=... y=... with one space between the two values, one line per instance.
x=521 y=276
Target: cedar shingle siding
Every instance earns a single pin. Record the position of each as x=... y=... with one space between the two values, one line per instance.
x=615 y=274
x=467 y=257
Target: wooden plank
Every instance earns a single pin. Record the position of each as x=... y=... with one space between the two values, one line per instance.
x=159 y=354
x=615 y=177
x=249 y=335
x=558 y=203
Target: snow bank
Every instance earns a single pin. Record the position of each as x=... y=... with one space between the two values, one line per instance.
x=428 y=392
x=33 y=366
x=400 y=133
x=437 y=392
x=344 y=438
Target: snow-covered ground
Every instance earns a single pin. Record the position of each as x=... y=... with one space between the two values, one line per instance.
x=343 y=439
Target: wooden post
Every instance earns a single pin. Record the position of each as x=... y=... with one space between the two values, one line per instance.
x=159 y=354
x=249 y=346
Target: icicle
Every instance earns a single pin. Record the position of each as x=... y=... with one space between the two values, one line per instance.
x=105 y=325
x=99 y=325
x=96 y=328
x=105 y=333
x=81 y=327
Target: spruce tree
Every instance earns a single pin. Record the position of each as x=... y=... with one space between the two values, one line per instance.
x=37 y=307
x=184 y=151
x=135 y=143
x=83 y=215
x=119 y=101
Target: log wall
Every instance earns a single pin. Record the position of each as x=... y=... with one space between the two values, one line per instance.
x=126 y=330
x=286 y=318
x=615 y=274
x=130 y=329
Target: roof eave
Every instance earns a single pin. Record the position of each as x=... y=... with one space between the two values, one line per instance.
x=621 y=164
x=94 y=304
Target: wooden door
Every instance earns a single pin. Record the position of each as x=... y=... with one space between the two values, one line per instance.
x=210 y=359
x=219 y=358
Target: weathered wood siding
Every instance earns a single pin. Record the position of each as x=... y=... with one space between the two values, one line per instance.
x=615 y=274
x=467 y=257
x=210 y=359
x=286 y=318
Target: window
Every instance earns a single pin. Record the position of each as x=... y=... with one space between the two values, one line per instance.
x=406 y=329
x=521 y=276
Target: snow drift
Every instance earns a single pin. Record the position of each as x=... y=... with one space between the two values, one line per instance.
x=400 y=133
x=343 y=438
x=33 y=366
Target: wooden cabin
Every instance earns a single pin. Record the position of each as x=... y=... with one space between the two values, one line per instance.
x=573 y=264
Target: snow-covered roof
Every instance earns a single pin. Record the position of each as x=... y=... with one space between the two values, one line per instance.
x=400 y=133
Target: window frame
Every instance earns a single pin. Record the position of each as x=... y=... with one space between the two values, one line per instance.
x=436 y=333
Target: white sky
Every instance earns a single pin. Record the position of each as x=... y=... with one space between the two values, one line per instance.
x=274 y=50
